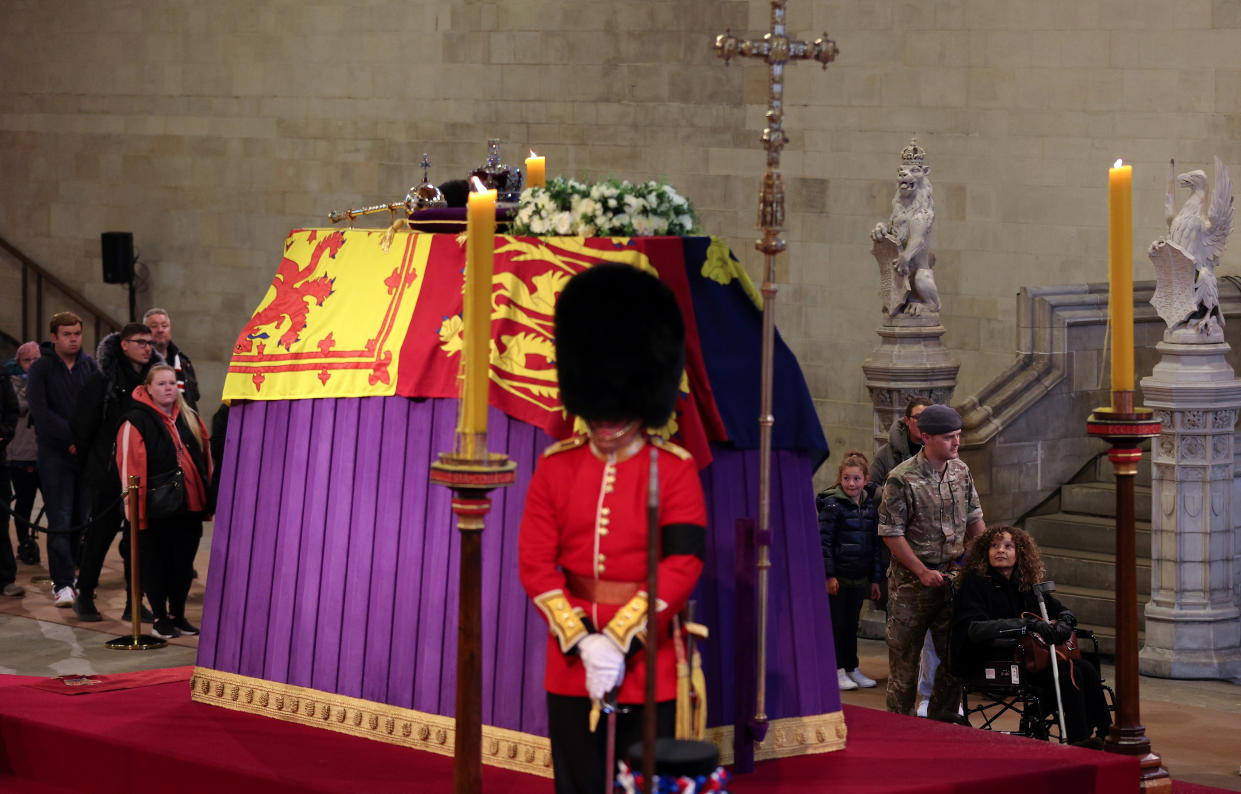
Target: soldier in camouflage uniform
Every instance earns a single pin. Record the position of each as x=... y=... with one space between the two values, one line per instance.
x=929 y=507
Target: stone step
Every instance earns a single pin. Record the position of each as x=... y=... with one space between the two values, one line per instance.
x=1099 y=499
x=1096 y=608
x=873 y=623
x=1095 y=603
x=1093 y=569
x=1106 y=636
x=1085 y=533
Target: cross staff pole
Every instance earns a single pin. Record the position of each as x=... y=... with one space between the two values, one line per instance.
x=777 y=49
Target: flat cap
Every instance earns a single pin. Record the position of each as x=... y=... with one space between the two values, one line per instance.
x=936 y=419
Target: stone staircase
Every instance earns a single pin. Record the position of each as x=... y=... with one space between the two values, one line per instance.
x=1078 y=543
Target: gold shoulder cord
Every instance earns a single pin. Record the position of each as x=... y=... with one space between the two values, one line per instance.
x=667 y=446
x=565 y=445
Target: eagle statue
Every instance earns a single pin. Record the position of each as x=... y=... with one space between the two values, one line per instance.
x=1186 y=291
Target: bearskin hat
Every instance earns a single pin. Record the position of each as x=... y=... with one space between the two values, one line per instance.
x=620 y=345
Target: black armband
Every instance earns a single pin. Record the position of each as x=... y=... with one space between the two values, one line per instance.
x=684 y=539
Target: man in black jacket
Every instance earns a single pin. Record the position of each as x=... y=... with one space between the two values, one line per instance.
x=160 y=325
x=124 y=359
x=54 y=382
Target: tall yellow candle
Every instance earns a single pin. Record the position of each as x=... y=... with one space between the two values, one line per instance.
x=1120 y=276
x=479 y=256
x=536 y=170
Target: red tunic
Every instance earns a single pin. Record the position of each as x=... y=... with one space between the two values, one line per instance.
x=587 y=516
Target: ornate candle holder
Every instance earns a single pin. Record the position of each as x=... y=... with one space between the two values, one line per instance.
x=1124 y=427
x=471 y=481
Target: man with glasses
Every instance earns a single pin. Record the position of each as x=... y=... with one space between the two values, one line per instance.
x=124 y=359
x=929 y=508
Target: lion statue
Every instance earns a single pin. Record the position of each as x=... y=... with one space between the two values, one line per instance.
x=903 y=244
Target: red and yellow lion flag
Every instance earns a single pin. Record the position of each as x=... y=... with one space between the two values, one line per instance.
x=334 y=318
x=344 y=318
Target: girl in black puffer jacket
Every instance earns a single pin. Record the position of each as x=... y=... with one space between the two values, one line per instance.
x=849 y=531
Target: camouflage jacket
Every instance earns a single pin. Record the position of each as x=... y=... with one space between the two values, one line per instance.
x=929 y=510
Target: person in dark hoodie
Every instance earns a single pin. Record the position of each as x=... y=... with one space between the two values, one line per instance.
x=8 y=425
x=124 y=359
x=849 y=531
x=21 y=454
x=54 y=383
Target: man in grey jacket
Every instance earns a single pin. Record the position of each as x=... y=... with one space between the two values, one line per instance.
x=904 y=441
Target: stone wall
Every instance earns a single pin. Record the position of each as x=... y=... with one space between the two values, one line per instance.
x=210 y=130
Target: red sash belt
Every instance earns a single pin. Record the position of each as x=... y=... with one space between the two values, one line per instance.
x=601 y=591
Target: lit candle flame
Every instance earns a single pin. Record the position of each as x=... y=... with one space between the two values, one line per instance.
x=479 y=187
x=532 y=154
x=1119 y=162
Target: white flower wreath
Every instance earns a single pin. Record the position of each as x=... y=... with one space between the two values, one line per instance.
x=612 y=208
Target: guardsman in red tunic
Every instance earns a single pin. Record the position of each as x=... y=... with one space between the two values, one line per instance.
x=620 y=345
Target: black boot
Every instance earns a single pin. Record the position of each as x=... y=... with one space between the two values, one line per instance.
x=147 y=617
x=85 y=607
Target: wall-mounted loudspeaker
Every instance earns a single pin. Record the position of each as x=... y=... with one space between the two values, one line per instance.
x=118 y=257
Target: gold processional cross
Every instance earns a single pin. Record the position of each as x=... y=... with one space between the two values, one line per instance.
x=777 y=49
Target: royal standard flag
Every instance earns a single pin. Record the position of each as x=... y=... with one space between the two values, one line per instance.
x=334 y=318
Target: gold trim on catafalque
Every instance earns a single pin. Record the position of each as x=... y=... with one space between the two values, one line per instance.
x=521 y=752
x=790 y=736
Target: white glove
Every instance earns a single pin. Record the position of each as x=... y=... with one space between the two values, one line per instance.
x=605 y=665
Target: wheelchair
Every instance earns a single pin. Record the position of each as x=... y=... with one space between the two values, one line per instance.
x=997 y=687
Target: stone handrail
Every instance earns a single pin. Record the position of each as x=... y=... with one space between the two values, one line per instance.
x=1024 y=432
x=1044 y=317
x=32 y=306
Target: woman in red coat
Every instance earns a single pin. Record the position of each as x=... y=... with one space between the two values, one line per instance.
x=162 y=441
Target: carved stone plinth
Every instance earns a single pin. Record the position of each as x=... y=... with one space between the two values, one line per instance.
x=1193 y=624
x=910 y=361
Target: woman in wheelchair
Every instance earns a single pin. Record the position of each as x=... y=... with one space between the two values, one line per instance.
x=996 y=599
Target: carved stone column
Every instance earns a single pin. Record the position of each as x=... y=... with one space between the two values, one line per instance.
x=1193 y=624
x=910 y=361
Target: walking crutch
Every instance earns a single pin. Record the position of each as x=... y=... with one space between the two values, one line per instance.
x=1039 y=589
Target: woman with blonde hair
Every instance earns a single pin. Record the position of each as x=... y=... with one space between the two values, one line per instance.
x=164 y=443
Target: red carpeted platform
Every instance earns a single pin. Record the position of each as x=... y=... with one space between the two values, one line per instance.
x=125 y=740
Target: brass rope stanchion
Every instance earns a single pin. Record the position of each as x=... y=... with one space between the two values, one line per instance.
x=136 y=640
